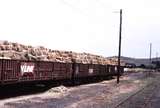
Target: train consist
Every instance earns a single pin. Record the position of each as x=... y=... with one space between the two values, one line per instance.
x=19 y=71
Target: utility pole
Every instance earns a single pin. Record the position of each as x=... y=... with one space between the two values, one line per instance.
x=150 y=56
x=119 y=51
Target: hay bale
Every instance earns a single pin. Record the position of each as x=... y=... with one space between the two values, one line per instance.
x=19 y=51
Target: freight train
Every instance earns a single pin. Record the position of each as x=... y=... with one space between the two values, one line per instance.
x=20 y=71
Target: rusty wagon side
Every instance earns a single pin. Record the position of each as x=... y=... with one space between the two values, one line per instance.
x=17 y=71
x=93 y=70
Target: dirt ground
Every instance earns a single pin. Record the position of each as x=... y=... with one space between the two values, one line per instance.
x=105 y=94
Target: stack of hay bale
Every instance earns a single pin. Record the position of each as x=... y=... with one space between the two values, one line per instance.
x=10 y=50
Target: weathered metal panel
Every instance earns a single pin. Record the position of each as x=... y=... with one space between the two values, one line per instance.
x=57 y=71
x=111 y=69
x=102 y=69
x=82 y=70
x=10 y=70
x=69 y=70
x=62 y=71
x=45 y=70
x=0 y=70
x=96 y=69
x=93 y=70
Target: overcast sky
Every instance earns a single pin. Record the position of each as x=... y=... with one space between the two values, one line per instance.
x=83 y=25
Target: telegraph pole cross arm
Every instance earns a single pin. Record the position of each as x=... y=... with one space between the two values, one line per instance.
x=119 y=51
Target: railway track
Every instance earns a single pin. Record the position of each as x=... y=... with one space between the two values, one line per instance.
x=141 y=98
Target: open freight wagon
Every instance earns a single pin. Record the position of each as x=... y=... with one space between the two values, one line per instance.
x=94 y=70
x=19 y=71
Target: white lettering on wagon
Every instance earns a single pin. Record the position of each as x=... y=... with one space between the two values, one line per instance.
x=77 y=70
x=90 y=71
x=27 y=68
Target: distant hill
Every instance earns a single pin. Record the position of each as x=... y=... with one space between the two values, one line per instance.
x=136 y=61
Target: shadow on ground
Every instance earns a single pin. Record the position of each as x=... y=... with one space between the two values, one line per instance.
x=14 y=90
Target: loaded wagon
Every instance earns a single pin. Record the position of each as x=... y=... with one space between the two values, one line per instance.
x=19 y=71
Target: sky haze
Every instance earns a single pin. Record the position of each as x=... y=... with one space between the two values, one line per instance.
x=83 y=25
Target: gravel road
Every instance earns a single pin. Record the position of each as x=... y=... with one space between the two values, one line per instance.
x=105 y=94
